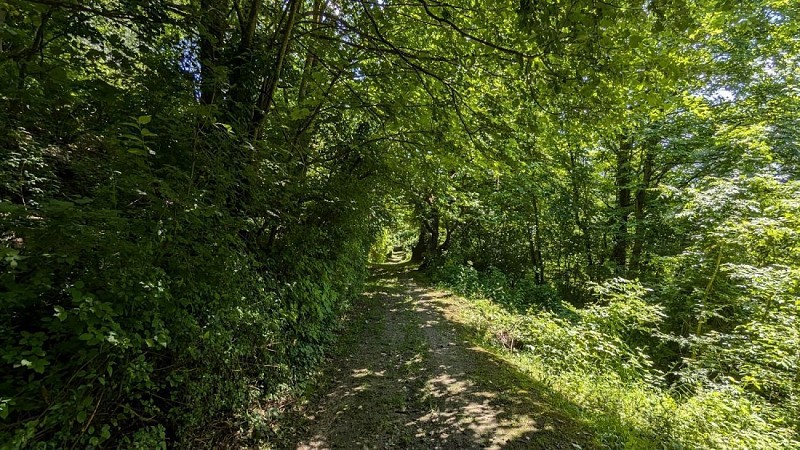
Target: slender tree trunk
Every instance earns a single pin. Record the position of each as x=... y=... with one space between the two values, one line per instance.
x=577 y=205
x=603 y=252
x=706 y=294
x=271 y=82
x=3 y=14
x=304 y=127
x=535 y=244
x=623 y=206
x=311 y=58
x=212 y=34
x=640 y=210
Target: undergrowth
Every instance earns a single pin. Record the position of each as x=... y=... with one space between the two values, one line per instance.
x=597 y=358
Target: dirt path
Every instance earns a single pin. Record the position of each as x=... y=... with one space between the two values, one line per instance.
x=408 y=375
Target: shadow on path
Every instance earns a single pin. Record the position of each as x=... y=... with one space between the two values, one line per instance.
x=409 y=376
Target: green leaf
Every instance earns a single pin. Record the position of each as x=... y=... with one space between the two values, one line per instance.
x=60 y=313
x=4 y=409
x=144 y=120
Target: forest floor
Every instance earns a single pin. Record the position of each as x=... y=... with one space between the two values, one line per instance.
x=408 y=373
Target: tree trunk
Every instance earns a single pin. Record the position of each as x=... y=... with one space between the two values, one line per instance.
x=418 y=252
x=304 y=127
x=212 y=34
x=432 y=224
x=640 y=211
x=271 y=82
x=240 y=97
x=577 y=205
x=448 y=240
x=311 y=58
x=535 y=245
x=623 y=206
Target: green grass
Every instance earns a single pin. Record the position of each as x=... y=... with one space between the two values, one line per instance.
x=624 y=413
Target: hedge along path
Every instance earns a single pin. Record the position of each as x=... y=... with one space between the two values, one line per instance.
x=409 y=374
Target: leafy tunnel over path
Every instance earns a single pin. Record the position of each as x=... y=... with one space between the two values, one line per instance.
x=191 y=192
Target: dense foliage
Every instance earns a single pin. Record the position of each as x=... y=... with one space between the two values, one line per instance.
x=191 y=190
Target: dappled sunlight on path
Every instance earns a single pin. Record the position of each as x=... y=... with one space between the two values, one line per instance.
x=411 y=377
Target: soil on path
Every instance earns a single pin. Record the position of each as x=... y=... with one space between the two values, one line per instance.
x=409 y=375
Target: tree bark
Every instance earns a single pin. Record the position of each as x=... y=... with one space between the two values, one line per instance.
x=535 y=245
x=432 y=224
x=311 y=58
x=271 y=82
x=577 y=205
x=242 y=63
x=212 y=34
x=623 y=206
x=418 y=252
x=448 y=240
x=640 y=210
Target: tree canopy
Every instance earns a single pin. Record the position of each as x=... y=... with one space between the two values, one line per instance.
x=191 y=189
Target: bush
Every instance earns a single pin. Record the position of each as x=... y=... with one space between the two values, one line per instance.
x=137 y=313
